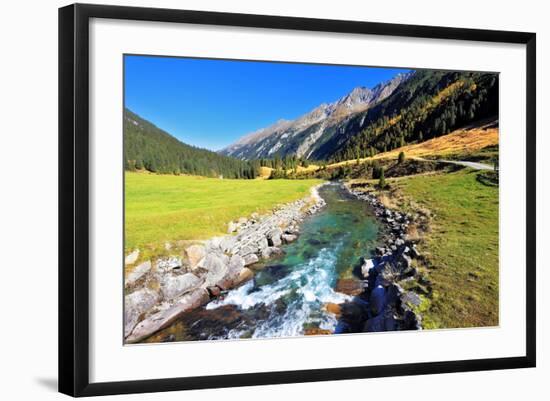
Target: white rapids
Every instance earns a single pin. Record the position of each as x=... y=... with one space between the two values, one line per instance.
x=305 y=289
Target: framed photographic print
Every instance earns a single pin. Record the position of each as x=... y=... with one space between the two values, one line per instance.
x=250 y=199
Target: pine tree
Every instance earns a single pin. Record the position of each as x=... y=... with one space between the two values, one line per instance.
x=382 y=179
x=401 y=157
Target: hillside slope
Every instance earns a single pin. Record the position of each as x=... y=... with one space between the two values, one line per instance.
x=150 y=148
x=430 y=104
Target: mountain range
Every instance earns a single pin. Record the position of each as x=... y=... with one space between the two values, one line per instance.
x=303 y=136
x=410 y=108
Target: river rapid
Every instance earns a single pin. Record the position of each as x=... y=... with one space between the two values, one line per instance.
x=289 y=294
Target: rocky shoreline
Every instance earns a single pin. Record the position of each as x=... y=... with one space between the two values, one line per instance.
x=158 y=293
x=384 y=305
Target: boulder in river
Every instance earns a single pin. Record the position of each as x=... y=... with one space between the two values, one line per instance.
x=215 y=267
x=377 y=299
x=365 y=268
x=271 y=251
x=288 y=238
x=236 y=264
x=244 y=275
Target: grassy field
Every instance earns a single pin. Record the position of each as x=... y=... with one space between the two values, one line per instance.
x=461 y=247
x=162 y=208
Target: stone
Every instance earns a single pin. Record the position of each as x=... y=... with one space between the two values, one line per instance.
x=232 y=227
x=271 y=251
x=215 y=267
x=390 y=324
x=227 y=243
x=365 y=268
x=242 y=221
x=195 y=253
x=333 y=308
x=164 y=318
x=377 y=299
x=174 y=286
x=167 y=264
x=274 y=237
x=135 y=305
x=288 y=238
x=351 y=286
x=168 y=339
x=315 y=331
x=236 y=264
x=244 y=275
x=214 y=244
x=262 y=244
x=405 y=261
x=414 y=252
x=139 y=272
x=251 y=259
x=131 y=258
x=167 y=246
x=214 y=291
x=411 y=298
x=247 y=250
x=375 y=324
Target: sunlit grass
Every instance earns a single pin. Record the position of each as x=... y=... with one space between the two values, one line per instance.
x=161 y=208
x=462 y=248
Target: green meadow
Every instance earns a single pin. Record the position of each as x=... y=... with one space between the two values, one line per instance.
x=161 y=208
x=462 y=248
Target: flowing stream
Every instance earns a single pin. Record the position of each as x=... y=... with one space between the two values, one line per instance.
x=288 y=295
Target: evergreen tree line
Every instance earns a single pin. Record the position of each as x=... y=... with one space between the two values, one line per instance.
x=147 y=147
x=288 y=162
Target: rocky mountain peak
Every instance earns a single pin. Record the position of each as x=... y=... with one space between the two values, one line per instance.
x=300 y=135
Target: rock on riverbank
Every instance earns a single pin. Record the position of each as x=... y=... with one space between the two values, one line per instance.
x=158 y=293
x=384 y=304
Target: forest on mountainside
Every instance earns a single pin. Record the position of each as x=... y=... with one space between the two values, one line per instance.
x=147 y=147
x=428 y=105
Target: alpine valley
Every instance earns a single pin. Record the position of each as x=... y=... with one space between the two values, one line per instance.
x=378 y=211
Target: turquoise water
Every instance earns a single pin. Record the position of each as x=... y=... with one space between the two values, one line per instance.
x=287 y=297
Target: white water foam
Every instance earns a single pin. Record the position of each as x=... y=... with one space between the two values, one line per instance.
x=307 y=288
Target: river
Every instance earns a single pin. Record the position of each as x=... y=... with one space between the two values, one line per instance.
x=288 y=295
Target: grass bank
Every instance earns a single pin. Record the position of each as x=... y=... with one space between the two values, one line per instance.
x=162 y=208
x=461 y=248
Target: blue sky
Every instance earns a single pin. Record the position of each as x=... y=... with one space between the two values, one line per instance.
x=212 y=103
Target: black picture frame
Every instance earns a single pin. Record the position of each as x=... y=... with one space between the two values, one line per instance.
x=74 y=198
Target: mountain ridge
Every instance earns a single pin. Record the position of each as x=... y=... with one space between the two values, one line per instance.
x=298 y=136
